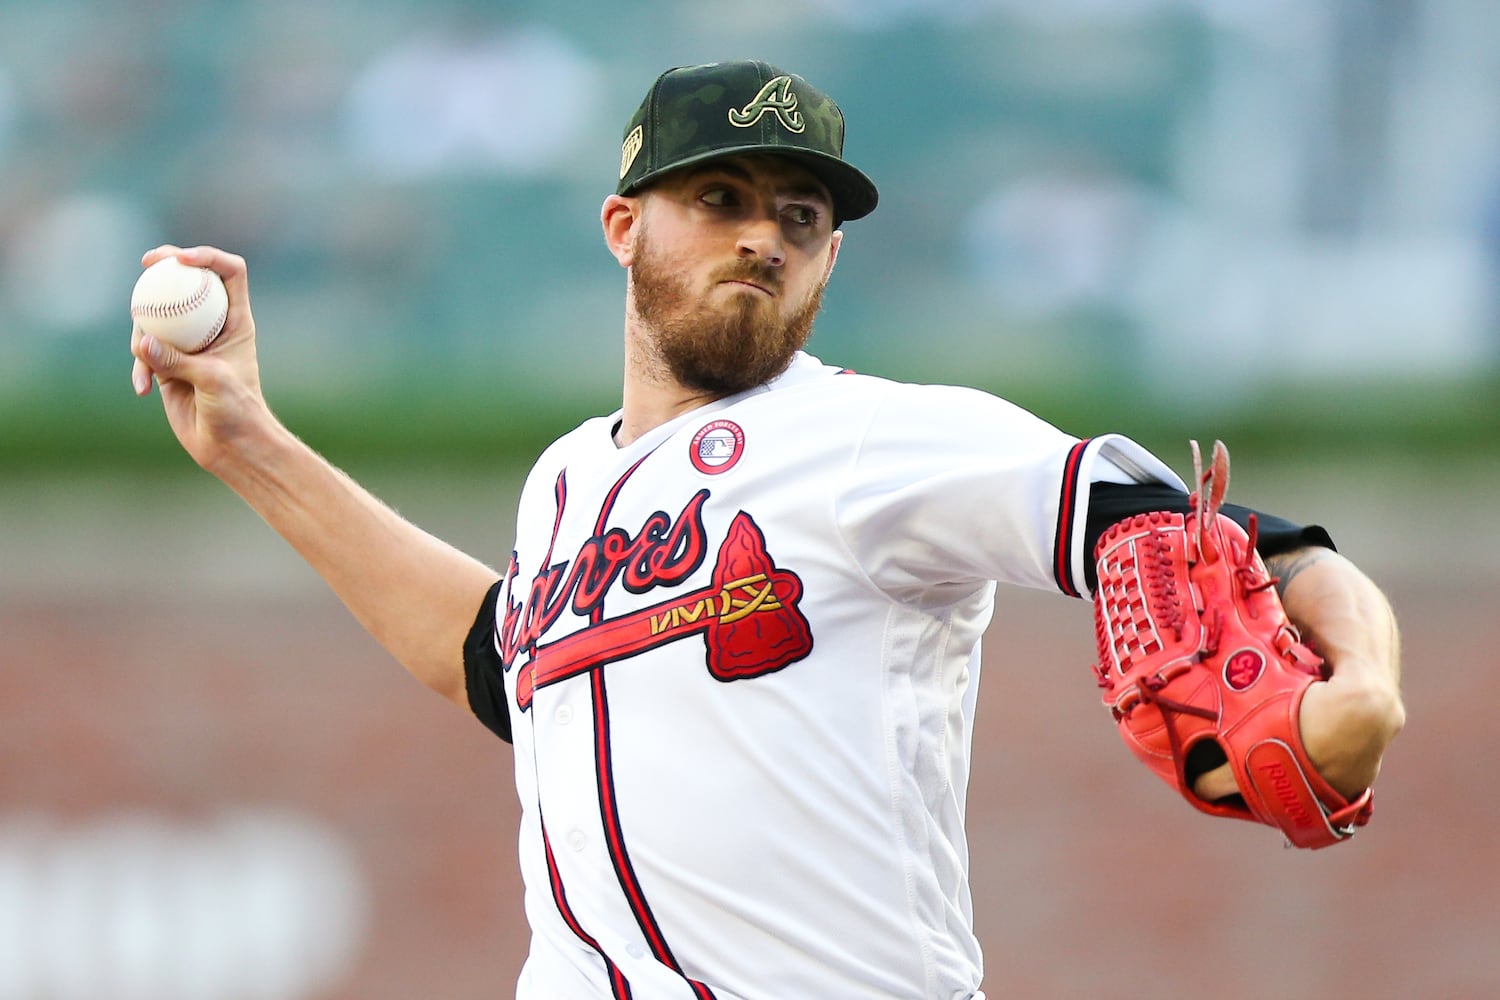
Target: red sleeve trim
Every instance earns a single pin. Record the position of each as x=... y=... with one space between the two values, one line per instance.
x=1067 y=518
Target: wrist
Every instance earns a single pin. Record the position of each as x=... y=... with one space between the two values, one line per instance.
x=1346 y=727
x=255 y=444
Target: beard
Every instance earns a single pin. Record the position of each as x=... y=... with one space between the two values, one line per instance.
x=718 y=349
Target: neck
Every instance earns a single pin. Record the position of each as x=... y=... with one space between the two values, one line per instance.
x=646 y=408
x=651 y=396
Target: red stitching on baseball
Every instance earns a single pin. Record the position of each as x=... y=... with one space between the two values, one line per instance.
x=164 y=310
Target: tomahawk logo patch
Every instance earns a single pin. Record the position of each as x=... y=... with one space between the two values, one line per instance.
x=747 y=614
x=777 y=98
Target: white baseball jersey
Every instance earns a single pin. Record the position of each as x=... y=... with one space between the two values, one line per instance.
x=740 y=663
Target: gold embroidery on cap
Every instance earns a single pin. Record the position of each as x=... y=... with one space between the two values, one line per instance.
x=777 y=97
x=630 y=149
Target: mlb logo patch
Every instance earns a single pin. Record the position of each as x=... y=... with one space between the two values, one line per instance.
x=717 y=447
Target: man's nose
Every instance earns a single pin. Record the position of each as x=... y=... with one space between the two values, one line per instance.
x=762 y=238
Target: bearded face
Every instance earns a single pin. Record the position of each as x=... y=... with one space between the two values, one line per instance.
x=718 y=339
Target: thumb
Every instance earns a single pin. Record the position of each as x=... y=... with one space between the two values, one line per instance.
x=157 y=357
x=161 y=357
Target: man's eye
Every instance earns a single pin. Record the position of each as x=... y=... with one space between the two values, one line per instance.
x=718 y=197
x=802 y=215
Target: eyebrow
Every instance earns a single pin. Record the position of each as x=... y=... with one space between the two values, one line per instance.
x=813 y=189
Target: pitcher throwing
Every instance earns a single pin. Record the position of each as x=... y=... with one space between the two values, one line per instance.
x=736 y=641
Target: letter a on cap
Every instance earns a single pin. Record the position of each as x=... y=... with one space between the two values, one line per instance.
x=777 y=97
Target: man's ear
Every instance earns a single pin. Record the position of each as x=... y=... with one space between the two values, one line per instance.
x=620 y=217
x=833 y=252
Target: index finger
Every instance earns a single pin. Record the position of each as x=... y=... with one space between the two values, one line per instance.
x=159 y=253
x=226 y=265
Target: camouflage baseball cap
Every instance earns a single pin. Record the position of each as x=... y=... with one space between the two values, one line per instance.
x=693 y=114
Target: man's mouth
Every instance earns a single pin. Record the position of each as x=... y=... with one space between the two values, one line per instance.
x=747 y=283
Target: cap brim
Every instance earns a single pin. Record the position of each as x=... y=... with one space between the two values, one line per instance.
x=854 y=194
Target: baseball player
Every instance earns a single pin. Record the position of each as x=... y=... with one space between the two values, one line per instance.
x=735 y=645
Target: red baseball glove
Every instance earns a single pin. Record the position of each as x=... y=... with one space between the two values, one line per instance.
x=1199 y=665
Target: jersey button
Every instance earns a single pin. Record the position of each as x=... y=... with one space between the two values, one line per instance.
x=577 y=840
x=563 y=715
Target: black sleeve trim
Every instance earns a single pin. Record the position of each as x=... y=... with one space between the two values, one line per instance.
x=484 y=676
x=1110 y=503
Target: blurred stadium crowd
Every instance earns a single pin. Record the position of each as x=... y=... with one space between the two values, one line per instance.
x=1311 y=184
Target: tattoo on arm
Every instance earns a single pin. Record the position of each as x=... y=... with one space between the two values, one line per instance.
x=1286 y=566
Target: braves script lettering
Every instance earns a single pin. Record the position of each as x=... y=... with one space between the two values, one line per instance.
x=664 y=552
x=745 y=584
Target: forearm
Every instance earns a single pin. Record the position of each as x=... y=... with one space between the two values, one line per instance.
x=414 y=593
x=1348 y=722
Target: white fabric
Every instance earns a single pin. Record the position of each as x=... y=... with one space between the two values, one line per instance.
x=798 y=833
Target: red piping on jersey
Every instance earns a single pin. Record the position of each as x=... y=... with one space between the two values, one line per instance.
x=615 y=836
x=560 y=501
x=609 y=812
x=1067 y=516
x=619 y=985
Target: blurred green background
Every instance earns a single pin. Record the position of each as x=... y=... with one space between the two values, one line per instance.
x=1276 y=222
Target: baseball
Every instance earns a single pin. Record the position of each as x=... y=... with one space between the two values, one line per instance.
x=179 y=305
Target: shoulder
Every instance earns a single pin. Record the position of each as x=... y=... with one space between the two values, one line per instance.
x=578 y=446
x=593 y=433
x=963 y=417
x=911 y=403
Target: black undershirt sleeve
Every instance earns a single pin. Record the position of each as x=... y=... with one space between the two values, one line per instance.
x=1110 y=503
x=484 y=675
